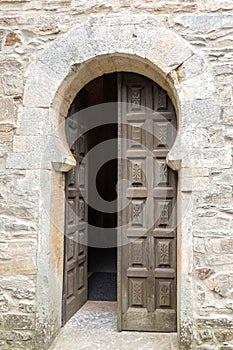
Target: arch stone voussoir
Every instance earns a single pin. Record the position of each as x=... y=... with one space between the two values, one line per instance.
x=105 y=44
x=93 y=38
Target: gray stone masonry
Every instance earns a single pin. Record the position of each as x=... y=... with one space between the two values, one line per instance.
x=49 y=49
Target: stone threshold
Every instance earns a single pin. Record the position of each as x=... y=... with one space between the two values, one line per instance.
x=95 y=326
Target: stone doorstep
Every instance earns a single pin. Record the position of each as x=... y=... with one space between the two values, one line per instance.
x=95 y=325
x=98 y=306
x=105 y=340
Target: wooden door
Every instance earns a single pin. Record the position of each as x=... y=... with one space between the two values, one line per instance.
x=75 y=251
x=147 y=224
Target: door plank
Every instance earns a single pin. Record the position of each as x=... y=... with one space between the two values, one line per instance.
x=147 y=224
x=75 y=251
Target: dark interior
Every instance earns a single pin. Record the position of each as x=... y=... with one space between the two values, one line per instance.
x=102 y=234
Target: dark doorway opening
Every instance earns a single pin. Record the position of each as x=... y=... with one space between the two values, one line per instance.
x=102 y=232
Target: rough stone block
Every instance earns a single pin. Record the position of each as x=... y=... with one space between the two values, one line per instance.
x=217 y=322
x=19 y=143
x=223 y=335
x=26 y=307
x=6 y=133
x=206 y=347
x=194 y=184
x=194 y=172
x=222 y=284
x=192 y=67
x=18 y=267
x=23 y=160
x=11 y=78
x=201 y=113
x=7 y=108
x=225 y=95
x=206 y=335
x=16 y=335
x=5 y=304
x=14 y=321
x=165 y=51
x=199 y=245
x=23 y=293
x=12 y=39
x=227 y=115
x=2 y=163
x=226 y=347
x=40 y=89
x=33 y=121
x=190 y=89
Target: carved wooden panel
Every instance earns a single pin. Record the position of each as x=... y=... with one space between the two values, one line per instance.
x=137 y=217
x=81 y=176
x=161 y=134
x=136 y=135
x=81 y=276
x=137 y=173
x=71 y=282
x=136 y=168
x=135 y=98
x=164 y=293
x=162 y=100
x=81 y=146
x=70 y=247
x=161 y=173
x=81 y=209
x=138 y=253
x=164 y=213
x=71 y=211
x=82 y=242
x=137 y=292
x=163 y=253
x=72 y=176
x=163 y=210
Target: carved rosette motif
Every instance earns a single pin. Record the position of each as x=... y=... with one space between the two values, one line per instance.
x=81 y=277
x=72 y=176
x=81 y=145
x=137 y=252
x=164 y=213
x=137 y=287
x=163 y=173
x=136 y=172
x=162 y=135
x=70 y=282
x=81 y=209
x=135 y=98
x=70 y=209
x=162 y=99
x=136 y=134
x=81 y=176
x=164 y=293
x=136 y=217
x=164 y=253
x=81 y=242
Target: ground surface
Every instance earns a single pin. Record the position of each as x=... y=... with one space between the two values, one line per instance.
x=95 y=326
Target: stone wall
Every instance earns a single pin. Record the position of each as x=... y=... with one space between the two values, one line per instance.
x=27 y=29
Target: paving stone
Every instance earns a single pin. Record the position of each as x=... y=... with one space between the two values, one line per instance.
x=89 y=328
